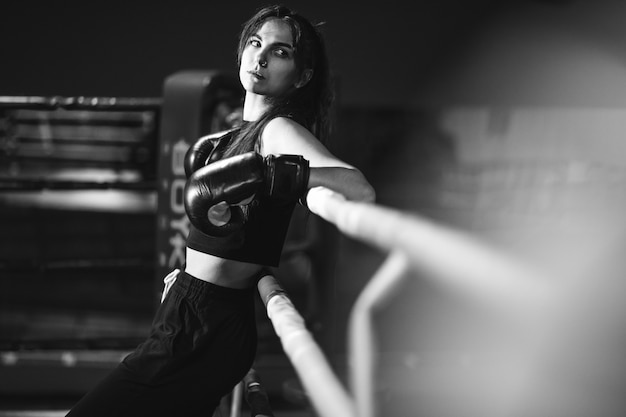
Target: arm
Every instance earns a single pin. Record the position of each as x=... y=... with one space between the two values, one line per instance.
x=284 y=136
x=349 y=182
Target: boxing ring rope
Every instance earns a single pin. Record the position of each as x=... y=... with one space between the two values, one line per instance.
x=413 y=244
x=81 y=103
x=326 y=392
x=75 y=113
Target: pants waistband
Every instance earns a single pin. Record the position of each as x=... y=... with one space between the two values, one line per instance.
x=197 y=289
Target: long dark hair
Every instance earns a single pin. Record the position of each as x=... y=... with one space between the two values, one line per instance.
x=309 y=105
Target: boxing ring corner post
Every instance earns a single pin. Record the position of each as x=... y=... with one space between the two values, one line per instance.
x=194 y=103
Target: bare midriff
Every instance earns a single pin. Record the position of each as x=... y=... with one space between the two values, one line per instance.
x=220 y=271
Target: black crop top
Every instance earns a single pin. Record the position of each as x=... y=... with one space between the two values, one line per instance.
x=261 y=239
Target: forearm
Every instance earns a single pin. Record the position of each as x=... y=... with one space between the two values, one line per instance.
x=349 y=182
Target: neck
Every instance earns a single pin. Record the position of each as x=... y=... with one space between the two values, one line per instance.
x=254 y=106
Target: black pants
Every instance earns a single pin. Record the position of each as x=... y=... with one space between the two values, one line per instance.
x=202 y=343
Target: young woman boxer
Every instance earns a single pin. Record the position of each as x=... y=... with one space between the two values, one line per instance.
x=241 y=190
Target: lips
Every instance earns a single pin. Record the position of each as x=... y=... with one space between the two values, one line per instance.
x=256 y=74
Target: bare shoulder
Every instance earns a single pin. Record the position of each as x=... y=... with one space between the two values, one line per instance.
x=281 y=127
x=284 y=135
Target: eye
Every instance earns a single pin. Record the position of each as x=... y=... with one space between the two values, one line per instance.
x=281 y=53
x=254 y=42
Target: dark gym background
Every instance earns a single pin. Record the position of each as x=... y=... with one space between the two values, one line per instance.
x=498 y=118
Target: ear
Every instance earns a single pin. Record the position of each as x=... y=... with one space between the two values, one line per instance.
x=306 y=76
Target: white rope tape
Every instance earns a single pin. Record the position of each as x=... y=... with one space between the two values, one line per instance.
x=447 y=256
x=326 y=393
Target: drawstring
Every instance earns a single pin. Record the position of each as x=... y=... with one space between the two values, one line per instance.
x=169 y=281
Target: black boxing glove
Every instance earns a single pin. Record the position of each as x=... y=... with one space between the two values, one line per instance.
x=232 y=180
x=284 y=178
x=206 y=150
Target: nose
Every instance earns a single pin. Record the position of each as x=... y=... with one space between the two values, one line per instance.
x=261 y=59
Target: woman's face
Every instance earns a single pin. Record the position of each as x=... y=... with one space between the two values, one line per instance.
x=267 y=62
